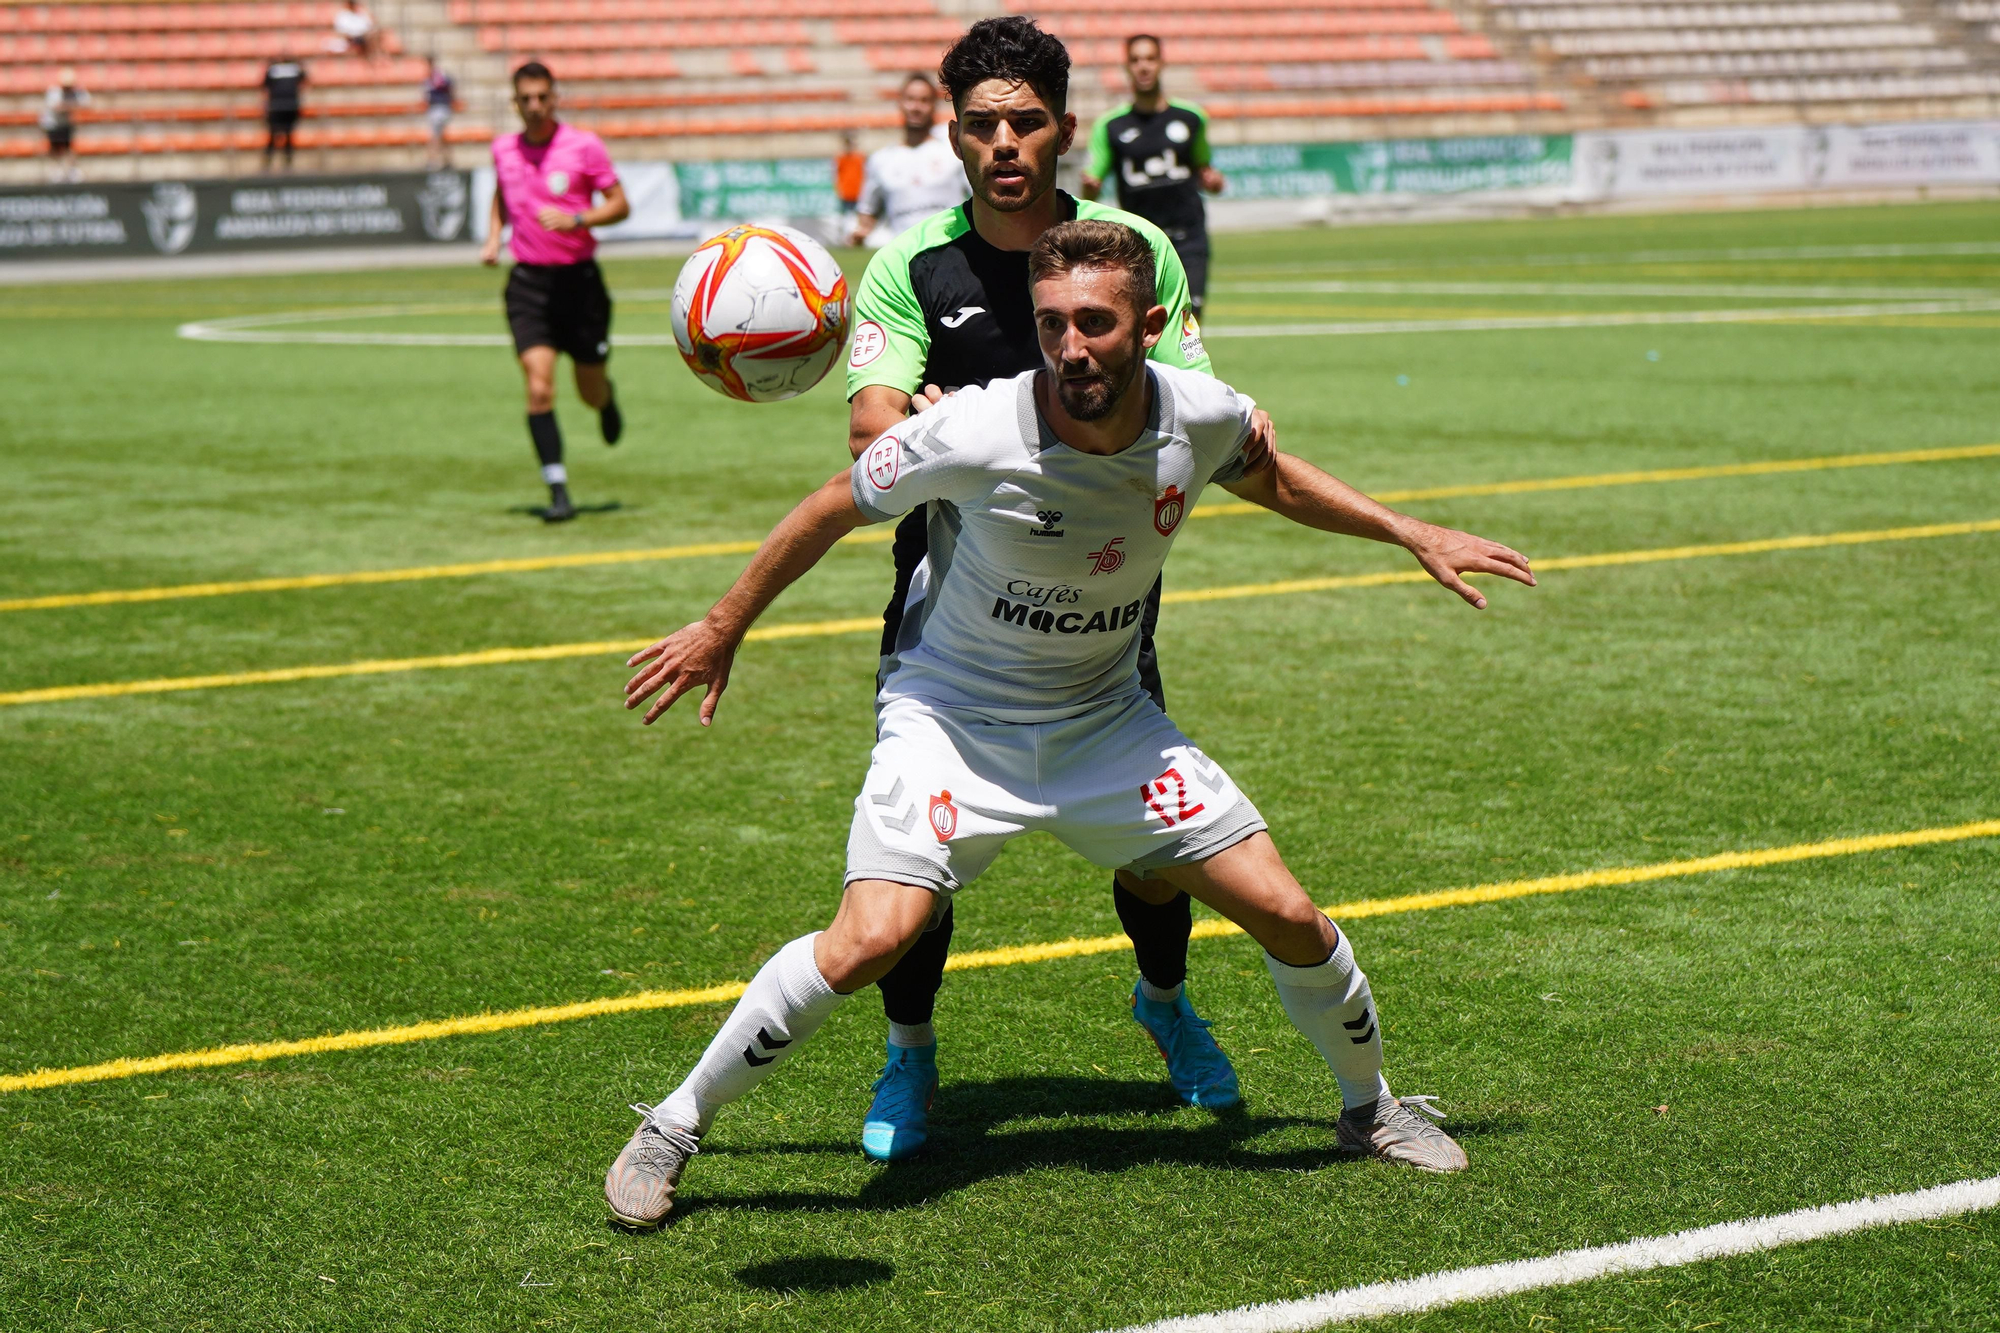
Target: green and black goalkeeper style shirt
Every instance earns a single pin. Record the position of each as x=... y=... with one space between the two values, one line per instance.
x=938 y=305
x=1154 y=156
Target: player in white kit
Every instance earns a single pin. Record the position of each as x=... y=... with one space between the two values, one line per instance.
x=906 y=182
x=1012 y=702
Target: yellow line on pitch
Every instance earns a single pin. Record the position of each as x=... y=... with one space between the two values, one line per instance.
x=1591 y=481
x=1013 y=956
x=415 y=573
x=586 y=559
x=869 y=624
x=1605 y=559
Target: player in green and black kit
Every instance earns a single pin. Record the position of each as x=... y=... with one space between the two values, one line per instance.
x=1159 y=150
x=946 y=305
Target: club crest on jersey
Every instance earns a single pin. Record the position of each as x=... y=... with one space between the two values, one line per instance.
x=1108 y=557
x=944 y=816
x=1167 y=510
x=885 y=460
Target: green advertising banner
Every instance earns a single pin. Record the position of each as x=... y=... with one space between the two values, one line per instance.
x=794 y=187
x=1394 y=166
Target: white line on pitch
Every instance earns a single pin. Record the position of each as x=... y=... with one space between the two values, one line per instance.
x=1600 y=320
x=1780 y=291
x=1438 y=1290
x=1585 y=258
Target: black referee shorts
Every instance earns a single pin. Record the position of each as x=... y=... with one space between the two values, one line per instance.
x=564 y=306
x=1192 y=247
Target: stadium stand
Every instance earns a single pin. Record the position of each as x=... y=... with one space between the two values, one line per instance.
x=175 y=83
x=1868 y=57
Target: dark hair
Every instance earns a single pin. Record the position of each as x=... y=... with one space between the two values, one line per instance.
x=1010 y=48
x=1158 y=46
x=534 y=69
x=917 y=76
x=1095 y=243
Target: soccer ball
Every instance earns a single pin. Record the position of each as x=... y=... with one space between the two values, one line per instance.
x=760 y=313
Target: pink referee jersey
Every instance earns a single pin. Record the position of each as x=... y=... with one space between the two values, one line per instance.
x=562 y=173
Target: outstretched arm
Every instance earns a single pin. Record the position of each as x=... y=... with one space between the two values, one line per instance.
x=702 y=653
x=1301 y=492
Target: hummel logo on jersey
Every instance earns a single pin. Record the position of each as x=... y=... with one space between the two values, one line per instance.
x=1048 y=518
x=1067 y=622
x=965 y=312
x=1108 y=558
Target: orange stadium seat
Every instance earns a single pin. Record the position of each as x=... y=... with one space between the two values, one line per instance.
x=603 y=11
x=641 y=36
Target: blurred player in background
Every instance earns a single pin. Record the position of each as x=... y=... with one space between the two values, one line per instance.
x=546 y=178
x=907 y=182
x=946 y=305
x=1159 y=150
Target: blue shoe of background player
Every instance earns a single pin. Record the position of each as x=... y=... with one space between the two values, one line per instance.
x=899 y=1121
x=1196 y=1066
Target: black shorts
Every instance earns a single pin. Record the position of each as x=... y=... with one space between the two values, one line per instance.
x=61 y=138
x=913 y=543
x=281 y=122
x=1193 y=250
x=564 y=306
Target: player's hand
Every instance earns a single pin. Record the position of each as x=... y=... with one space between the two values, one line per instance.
x=698 y=654
x=489 y=254
x=555 y=219
x=1261 y=449
x=1446 y=553
x=1211 y=180
x=927 y=397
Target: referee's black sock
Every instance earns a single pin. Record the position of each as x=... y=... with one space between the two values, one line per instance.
x=1159 y=934
x=547 y=436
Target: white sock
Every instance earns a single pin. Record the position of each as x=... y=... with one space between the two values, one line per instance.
x=555 y=474
x=1158 y=995
x=912 y=1034
x=1332 y=1005
x=784 y=1004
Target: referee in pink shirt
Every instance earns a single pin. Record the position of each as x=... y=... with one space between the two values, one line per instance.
x=547 y=176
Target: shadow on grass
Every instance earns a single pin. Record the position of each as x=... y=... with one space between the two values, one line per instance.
x=815 y=1273
x=971 y=1141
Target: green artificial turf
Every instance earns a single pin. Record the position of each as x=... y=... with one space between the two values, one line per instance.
x=179 y=871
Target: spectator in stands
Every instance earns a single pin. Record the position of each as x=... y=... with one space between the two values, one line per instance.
x=355 y=28
x=439 y=95
x=1160 y=151
x=849 y=169
x=59 y=109
x=907 y=182
x=284 y=85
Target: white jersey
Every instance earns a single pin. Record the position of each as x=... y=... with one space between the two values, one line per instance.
x=902 y=185
x=1041 y=556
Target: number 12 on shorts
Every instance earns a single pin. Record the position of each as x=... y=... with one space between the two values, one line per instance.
x=1156 y=792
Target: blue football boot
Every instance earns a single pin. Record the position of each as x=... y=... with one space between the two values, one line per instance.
x=1196 y=1066
x=899 y=1121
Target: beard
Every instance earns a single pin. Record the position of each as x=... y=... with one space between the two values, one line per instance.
x=1096 y=397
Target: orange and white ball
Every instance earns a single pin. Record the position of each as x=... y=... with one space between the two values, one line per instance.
x=761 y=313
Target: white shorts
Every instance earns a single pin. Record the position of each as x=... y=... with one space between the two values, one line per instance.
x=1119 y=785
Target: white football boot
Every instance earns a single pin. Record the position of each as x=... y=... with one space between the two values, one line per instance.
x=1393 y=1130
x=640 y=1185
